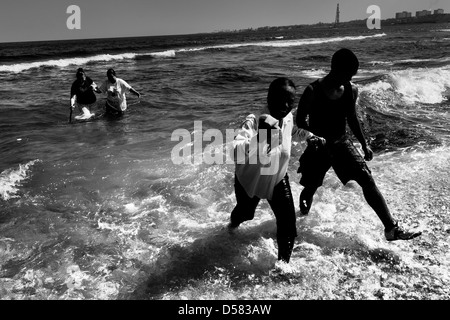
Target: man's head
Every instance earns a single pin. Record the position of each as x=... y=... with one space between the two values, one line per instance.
x=281 y=97
x=80 y=74
x=344 y=64
x=111 y=74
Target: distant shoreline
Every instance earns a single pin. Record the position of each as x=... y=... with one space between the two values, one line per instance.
x=277 y=30
x=433 y=18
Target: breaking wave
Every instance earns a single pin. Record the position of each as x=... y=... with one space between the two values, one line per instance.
x=17 y=68
x=11 y=179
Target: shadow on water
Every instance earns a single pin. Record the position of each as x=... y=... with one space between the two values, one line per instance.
x=180 y=266
x=250 y=251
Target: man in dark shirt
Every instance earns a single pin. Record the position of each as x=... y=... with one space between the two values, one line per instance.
x=325 y=108
x=82 y=93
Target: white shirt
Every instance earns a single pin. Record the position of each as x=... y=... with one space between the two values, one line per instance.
x=115 y=93
x=258 y=170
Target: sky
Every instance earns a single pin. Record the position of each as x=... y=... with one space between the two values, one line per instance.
x=38 y=20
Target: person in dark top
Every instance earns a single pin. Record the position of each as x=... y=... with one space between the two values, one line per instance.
x=82 y=94
x=325 y=108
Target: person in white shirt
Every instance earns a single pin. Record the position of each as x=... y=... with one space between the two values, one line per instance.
x=262 y=151
x=115 y=90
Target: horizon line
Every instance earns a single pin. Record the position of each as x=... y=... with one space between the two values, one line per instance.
x=214 y=32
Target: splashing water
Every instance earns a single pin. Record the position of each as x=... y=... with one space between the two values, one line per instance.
x=11 y=179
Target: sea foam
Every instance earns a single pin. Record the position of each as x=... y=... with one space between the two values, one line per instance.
x=421 y=85
x=61 y=63
x=285 y=43
x=11 y=179
x=414 y=85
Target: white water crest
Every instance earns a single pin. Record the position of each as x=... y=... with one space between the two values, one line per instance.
x=11 y=179
x=420 y=85
x=17 y=68
x=287 y=43
x=314 y=73
x=162 y=54
x=441 y=60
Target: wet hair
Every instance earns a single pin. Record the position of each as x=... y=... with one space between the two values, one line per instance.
x=344 y=61
x=111 y=71
x=276 y=89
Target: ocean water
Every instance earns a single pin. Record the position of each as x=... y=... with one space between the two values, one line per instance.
x=99 y=210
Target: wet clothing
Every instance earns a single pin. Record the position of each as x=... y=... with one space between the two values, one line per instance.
x=83 y=91
x=283 y=208
x=261 y=173
x=282 y=205
x=116 y=94
x=112 y=112
x=85 y=110
x=327 y=118
x=257 y=170
x=342 y=155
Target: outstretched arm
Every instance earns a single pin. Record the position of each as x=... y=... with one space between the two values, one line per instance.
x=299 y=134
x=95 y=88
x=135 y=92
x=355 y=126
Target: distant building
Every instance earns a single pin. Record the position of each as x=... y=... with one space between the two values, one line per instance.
x=402 y=15
x=439 y=11
x=423 y=13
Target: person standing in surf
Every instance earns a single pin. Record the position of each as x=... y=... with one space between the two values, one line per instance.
x=115 y=89
x=82 y=94
x=262 y=150
x=325 y=108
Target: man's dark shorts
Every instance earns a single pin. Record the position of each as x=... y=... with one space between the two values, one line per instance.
x=342 y=155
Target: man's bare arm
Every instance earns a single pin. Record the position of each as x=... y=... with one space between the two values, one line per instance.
x=355 y=126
